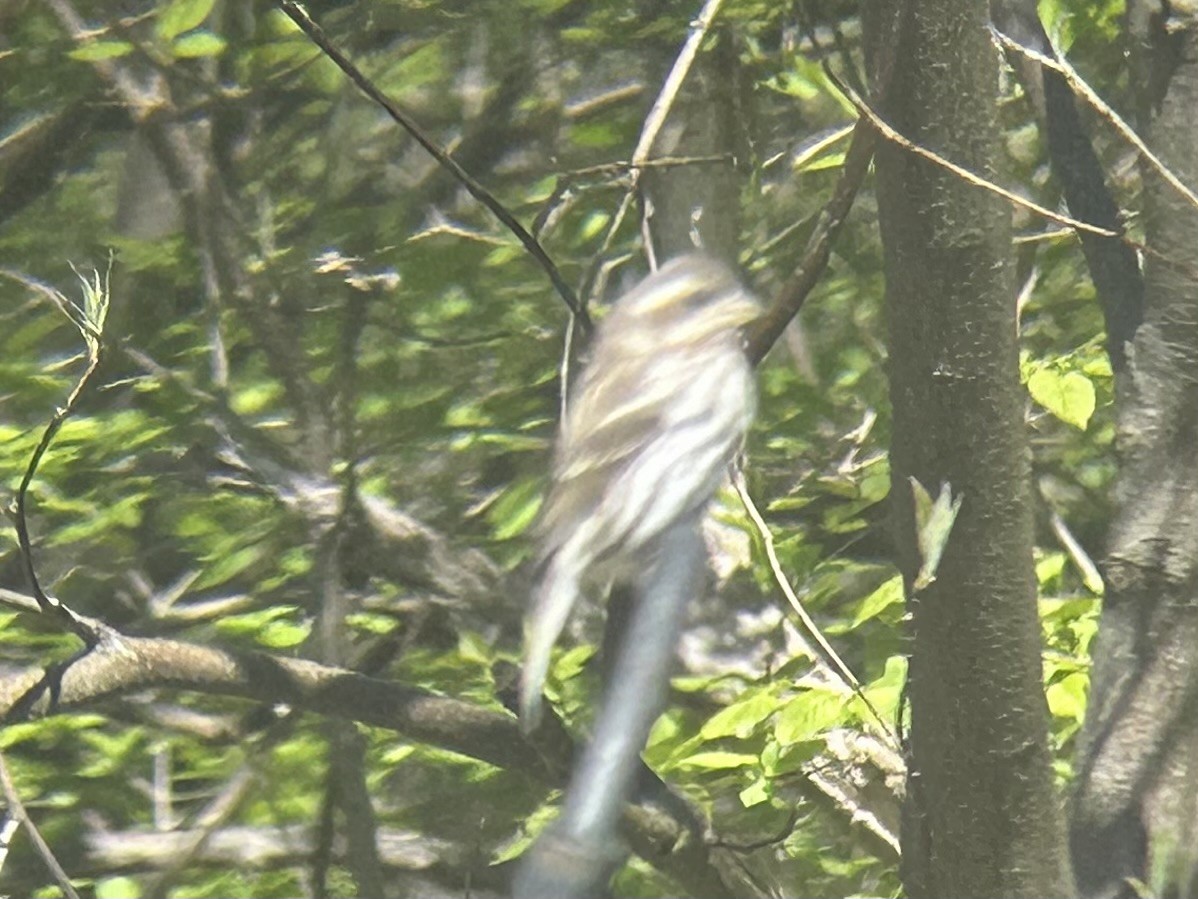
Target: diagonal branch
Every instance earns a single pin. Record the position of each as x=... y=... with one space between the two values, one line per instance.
x=822 y=650
x=969 y=177
x=1066 y=71
x=300 y=17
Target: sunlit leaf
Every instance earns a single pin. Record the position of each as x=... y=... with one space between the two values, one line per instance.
x=717 y=760
x=117 y=888
x=516 y=508
x=1069 y=396
x=741 y=717
x=198 y=45
x=1067 y=697
x=809 y=714
x=178 y=16
x=888 y=594
x=96 y=51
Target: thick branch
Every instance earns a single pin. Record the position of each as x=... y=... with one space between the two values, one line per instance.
x=122 y=664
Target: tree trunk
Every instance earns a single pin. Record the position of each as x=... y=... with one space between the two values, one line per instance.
x=981 y=816
x=699 y=205
x=1137 y=792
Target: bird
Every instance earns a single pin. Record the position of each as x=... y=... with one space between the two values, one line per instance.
x=650 y=427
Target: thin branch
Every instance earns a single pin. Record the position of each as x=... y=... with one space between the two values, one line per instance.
x=624 y=166
x=658 y=113
x=657 y=116
x=17 y=810
x=1079 y=85
x=823 y=649
x=215 y=814
x=606 y=175
x=300 y=17
x=969 y=177
x=89 y=320
x=257 y=848
x=346 y=787
x=125 y=664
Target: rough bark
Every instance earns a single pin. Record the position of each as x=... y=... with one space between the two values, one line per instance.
x=1137 y=791
x=982 y=818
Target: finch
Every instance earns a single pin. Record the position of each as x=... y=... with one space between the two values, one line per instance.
x=660 y=411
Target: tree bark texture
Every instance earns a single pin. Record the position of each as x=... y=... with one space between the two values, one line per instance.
x=981 y=817
x=1136 y=801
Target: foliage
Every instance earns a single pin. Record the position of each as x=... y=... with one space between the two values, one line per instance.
x=400 y=306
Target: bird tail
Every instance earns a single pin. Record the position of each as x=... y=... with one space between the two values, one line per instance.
x=554 y=598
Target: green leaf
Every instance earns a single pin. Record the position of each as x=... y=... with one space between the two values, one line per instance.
x=717 y=760
x=182 y=15
x=516 y=509
x=117 y=888
x=593 y=225
x=95 y=51
x=1049 y=568
x=933 y=523
x=742 y=717
x=251 y=623
x=885 y=692
x=757 y=792
x=228 y=566
x=791 y=758
x=256 y=397
x=1067 y=697
x=887 y=595
x=200 y=44
x=809 y=714
x=284 y=634
x=1069 y=396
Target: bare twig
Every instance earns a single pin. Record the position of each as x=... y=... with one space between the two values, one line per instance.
x=656 y=118
x=250 y=847
x=823 y=650
x=605 y=175
x=1079 y=85
x=212 y=817
x=969 y=177
x=17 y=810
x=299 y=15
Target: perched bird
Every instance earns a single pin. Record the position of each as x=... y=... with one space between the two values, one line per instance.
x=659 y=412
